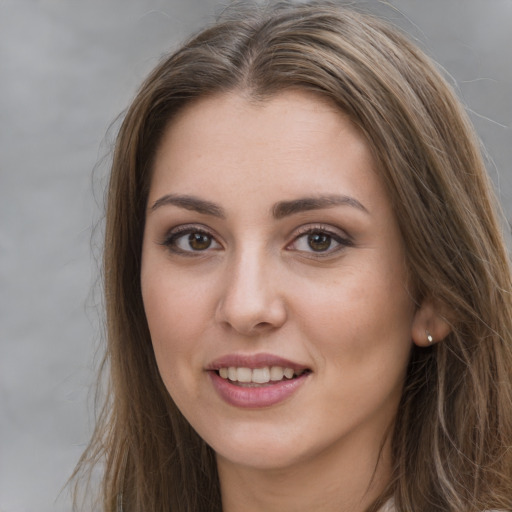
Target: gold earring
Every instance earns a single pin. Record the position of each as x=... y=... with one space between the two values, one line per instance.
x=429 y=338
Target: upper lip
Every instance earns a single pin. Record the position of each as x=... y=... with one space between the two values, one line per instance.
x=254 y=361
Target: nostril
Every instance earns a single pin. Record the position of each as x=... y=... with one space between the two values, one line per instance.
x=252 y=312
x=263 y=325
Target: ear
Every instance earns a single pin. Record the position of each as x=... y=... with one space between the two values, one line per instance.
x=429 y=322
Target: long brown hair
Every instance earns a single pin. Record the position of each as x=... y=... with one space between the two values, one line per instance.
x=452 y=443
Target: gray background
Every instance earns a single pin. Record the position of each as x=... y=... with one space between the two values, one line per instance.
x=67 y=69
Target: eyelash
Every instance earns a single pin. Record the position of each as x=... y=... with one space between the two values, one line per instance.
x=170 y=241
x=173 y=237
x=333 y=235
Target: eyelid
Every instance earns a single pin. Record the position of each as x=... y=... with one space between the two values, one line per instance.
x=327 y=228
x=176 y=232
x=341 y=237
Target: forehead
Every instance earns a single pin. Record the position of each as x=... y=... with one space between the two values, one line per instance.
x=291 y=144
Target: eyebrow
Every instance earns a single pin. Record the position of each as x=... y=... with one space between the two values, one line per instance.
x=190 y=203
x=280 y=210
x=286 y=208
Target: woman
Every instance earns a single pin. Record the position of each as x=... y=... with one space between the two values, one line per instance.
x=308 y=296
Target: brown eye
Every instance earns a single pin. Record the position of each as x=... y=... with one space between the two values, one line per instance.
x=199 y=241
x=319 y=242
x=189 y=240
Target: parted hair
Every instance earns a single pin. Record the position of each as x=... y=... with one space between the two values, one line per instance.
x=452 y=439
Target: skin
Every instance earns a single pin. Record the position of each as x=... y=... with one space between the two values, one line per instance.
x=260 y=287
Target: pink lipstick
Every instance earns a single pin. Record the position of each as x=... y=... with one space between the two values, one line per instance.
x=255 y=381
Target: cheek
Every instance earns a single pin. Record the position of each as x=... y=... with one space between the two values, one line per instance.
x=363 y=316
x=177 y=313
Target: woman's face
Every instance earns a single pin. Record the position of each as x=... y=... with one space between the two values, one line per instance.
x=274 y=281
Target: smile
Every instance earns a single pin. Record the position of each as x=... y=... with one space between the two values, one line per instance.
x=256 y=381
x=248 y=376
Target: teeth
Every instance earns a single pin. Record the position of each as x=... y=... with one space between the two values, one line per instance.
x=244 y=374
x=232 y=374
x=261 y=375
x=288 y=373
x=276 y=373
x=257 y=375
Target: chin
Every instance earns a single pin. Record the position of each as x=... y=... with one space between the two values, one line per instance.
x=254 y=446
x=260 y=459
x=251 y=444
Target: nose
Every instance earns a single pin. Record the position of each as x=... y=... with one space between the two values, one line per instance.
x=251 y=303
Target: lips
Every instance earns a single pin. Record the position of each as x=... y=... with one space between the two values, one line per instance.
x=265 y=375
x=259 y=380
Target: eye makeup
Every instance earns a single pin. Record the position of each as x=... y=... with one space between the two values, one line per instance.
x=310 y=240
x=319 y=241
x=190 y=240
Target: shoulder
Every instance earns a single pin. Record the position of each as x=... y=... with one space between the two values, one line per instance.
x=389 y=506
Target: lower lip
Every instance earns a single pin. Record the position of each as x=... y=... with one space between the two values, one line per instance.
x=256 y=397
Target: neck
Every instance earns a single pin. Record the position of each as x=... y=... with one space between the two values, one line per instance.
x=344 y=479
